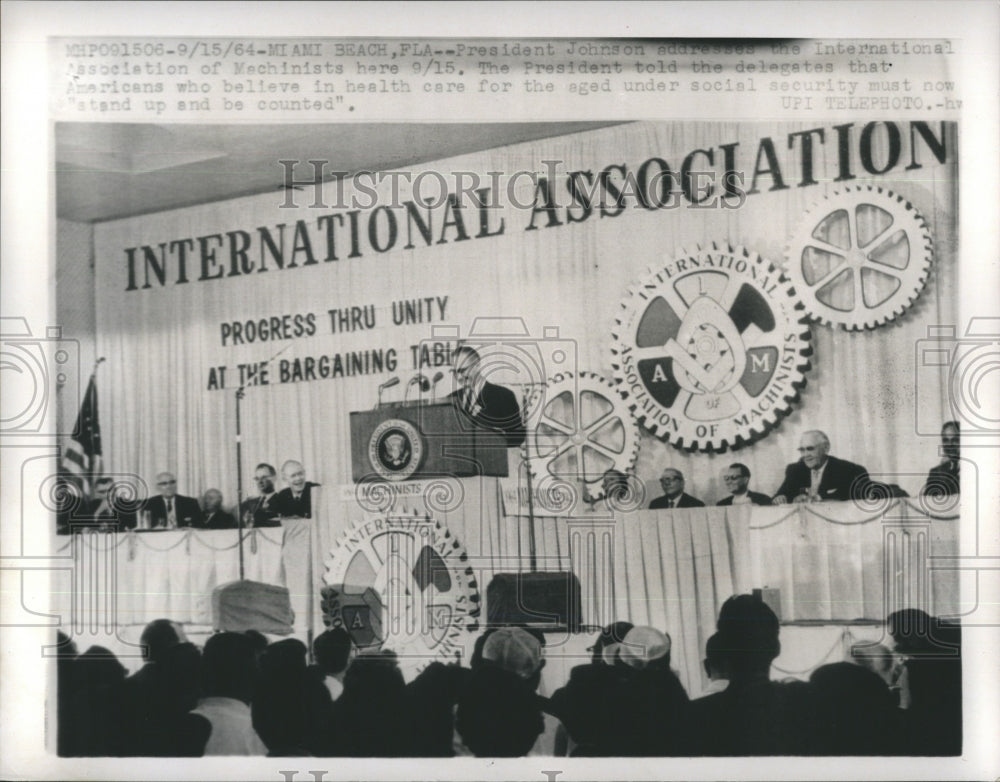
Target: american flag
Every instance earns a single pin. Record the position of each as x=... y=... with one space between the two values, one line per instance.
x=82 y=458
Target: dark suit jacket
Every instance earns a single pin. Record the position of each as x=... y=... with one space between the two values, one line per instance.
x=498 y=411
x=684 y=501
x=186 y=509
x=263 y=512
x=219 y=520
x=842 y=480
x=943 y=479
x=756 y=498
x=286 y=505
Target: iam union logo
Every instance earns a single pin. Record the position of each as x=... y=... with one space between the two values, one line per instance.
x=402 y=582
x=711 y=348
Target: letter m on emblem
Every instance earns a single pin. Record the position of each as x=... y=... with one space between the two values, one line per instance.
x=440 y=617
x=760 y=362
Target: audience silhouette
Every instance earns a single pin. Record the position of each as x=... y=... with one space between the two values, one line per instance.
x=242 y=695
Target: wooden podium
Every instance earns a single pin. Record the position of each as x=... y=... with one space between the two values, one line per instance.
x=427 y=440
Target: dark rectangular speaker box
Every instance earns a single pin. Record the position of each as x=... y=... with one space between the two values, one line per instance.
x=542 y=600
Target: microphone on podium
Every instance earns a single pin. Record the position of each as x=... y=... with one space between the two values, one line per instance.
x=392 y=381
x=420 y=379
x=438 y=376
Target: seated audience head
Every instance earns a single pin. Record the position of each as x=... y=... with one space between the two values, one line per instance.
x=372 y=711
x=645 y=647
x=229 y=667
x=212 y=501
x=374 y=674
x=294 y=475
x=715 y=663
x=517 y=651
x=167 y=484
x=748 y=631
x=259 y=641
x=951 y=439
x=912 y=631
x=158 y=637
x=856 y=710
x=737 y=478
x=332 y=650
x=606 y=647
x=101 y=667
x=498 y=713
x=876 y=658
x=814 y=446
x=279 y=697
x=264 y=475
x=284 y=656
x=672 y=482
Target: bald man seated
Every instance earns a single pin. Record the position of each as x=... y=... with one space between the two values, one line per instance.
x=169 y=510
x=295 y=500
x=214 y=516
x=818 y=477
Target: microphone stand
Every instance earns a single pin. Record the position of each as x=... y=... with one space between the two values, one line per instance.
x=240 y=393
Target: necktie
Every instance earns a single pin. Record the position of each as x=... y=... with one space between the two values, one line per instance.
x=171 y=518
x=670 y=503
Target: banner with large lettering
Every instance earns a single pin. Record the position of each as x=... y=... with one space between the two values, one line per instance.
x=710 y=289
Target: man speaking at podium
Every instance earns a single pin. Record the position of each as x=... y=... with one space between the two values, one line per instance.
x=489 y=406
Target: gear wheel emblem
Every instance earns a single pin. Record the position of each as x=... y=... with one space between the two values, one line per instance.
x=860 y=257
x=583 y=429
x=711 y=349
x=402 y=582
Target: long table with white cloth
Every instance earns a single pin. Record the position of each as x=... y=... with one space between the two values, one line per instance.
x=831 y=563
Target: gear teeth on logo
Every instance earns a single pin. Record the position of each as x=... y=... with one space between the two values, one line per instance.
x=912 y=277
x=670 y=422
x=338 y=559
x=542 y=460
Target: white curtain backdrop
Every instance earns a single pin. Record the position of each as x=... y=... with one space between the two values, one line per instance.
x=868 y=390
x=160 y=343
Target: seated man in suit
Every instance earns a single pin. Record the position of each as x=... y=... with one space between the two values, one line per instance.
x=215 y=516
x=944 y=479
x=489 y=406
x=169 y=509
x=737 y=480
x=672 y=482
x=259 y=511
x=615 y=485
x=106 y=511
x=296 y=498
x=817 y=476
